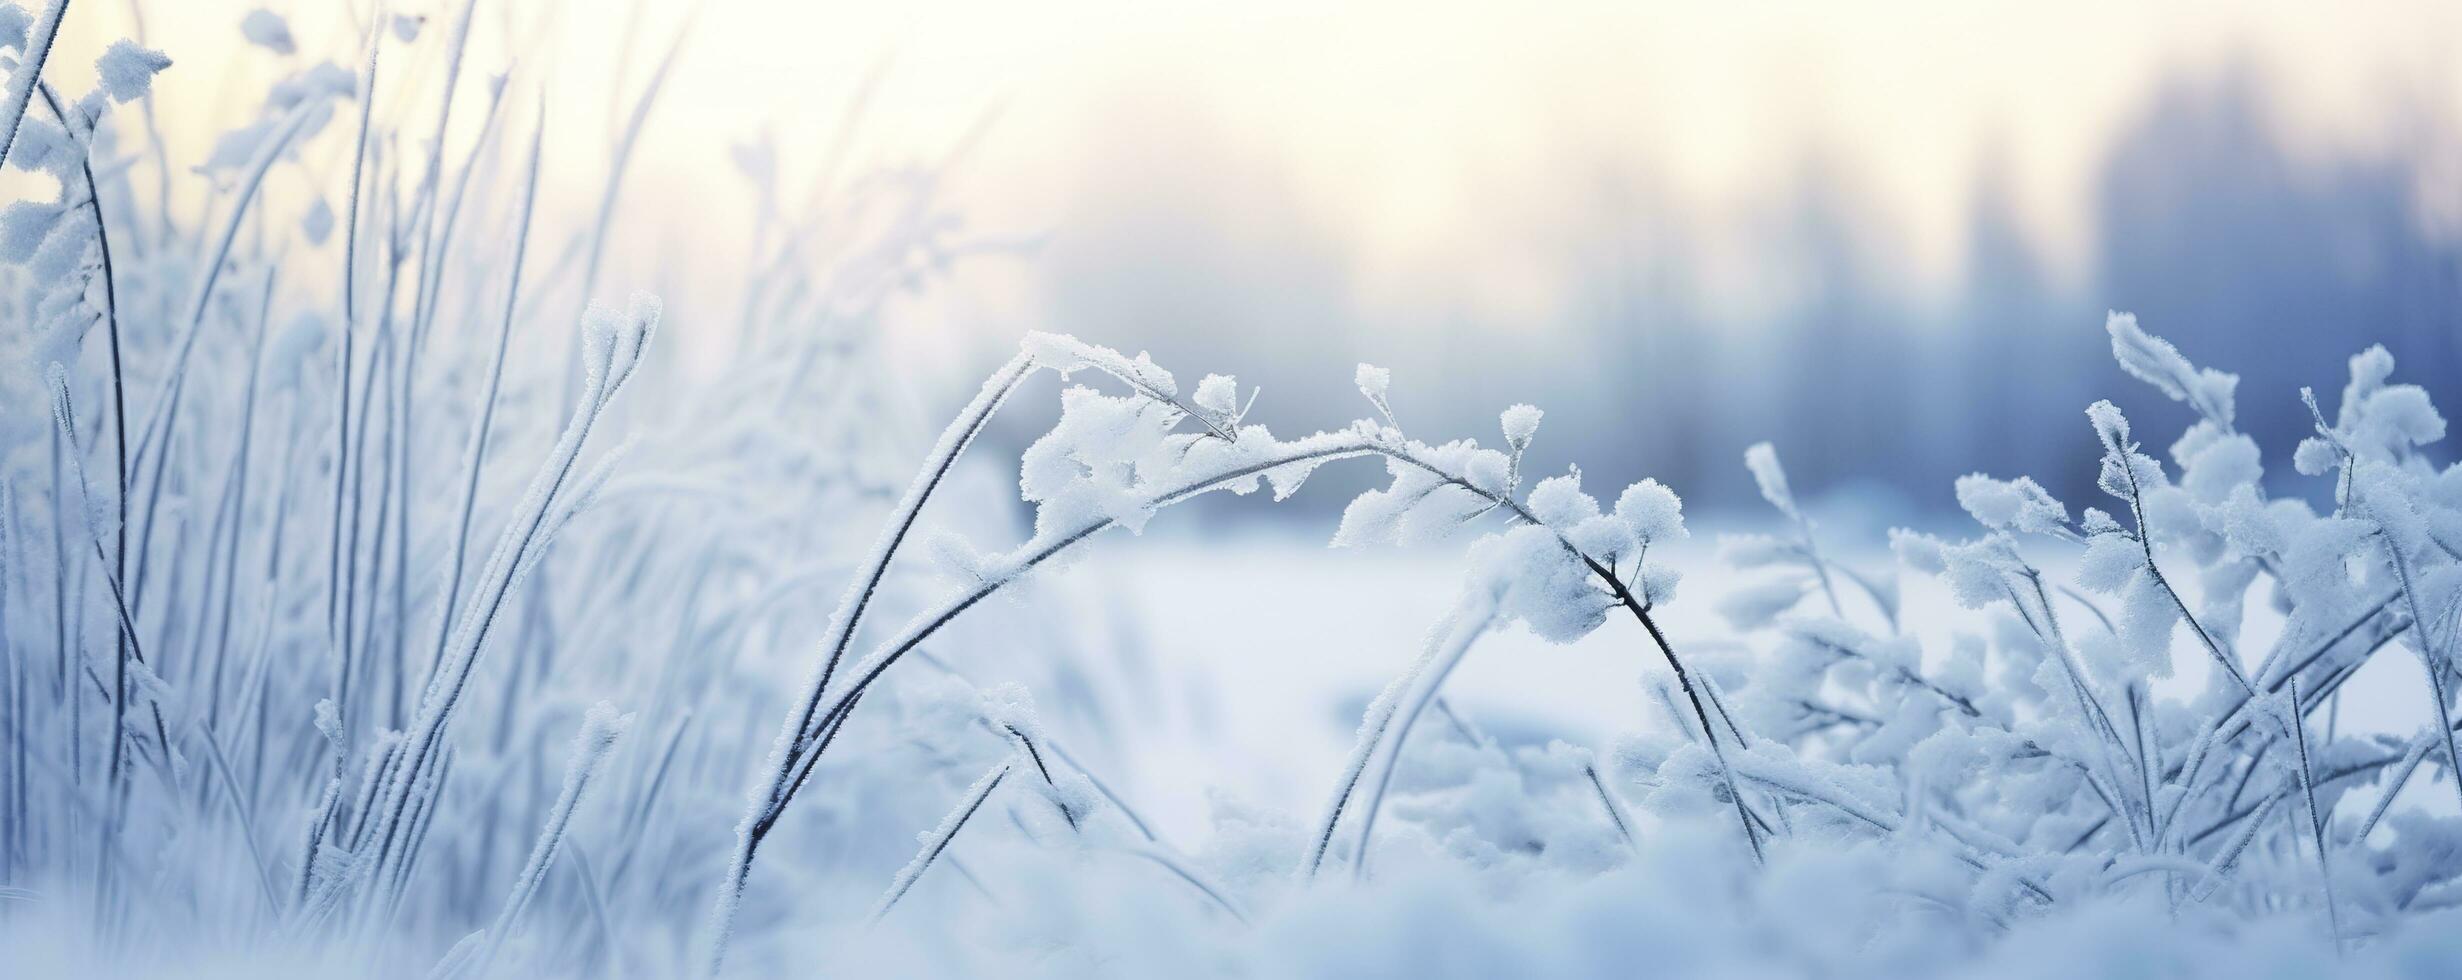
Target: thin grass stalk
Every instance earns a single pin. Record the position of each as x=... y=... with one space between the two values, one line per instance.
x=870 y=670
x=400 y=434
x=2219 y=868
x=111 y=328
x=13 y=795
x=2316 y=818
x=64 y=419
x=800 y=735
x=598 y=736
x=432 y=794
x=2393 y=786
x=476 y=455
x=2434 y=664
x=2145 y=541
x=794 y=772
x=613 y=352
x=636 y=823
x=343 y=566
x=1450 y=642
x=1640 y=612
x=432 y=285
x=621 y=162
x=63 y=690
x=1615 y=811
x=1035 y=756
x=351 y=648
x=430 y=183
x=234 y=512
x=583 y=870
x=1180 y=869
x=940 y=838
x=241 y=810
x=152 y=440
x=29 y=71
x=1062 y=752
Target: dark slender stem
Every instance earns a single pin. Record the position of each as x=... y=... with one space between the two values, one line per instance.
x=111 y=326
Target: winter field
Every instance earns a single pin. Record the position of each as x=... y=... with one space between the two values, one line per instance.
x=388 y=587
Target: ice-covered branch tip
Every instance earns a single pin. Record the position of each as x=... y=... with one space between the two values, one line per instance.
x=2011 y=505
x=2111 y=427
x=1762 y=459
x=2155 y=361
x=1374 y=383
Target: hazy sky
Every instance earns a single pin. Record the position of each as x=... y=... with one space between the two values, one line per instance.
x=1428 y=143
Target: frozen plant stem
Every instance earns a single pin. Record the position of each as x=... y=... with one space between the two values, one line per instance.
x=29 y=71
x=801 y=736
x=345 y=557
x=111 y=327
x=2436 y=666
x=152 y=440
x=2145 y=542
x=2316 y=817
x=477 y=454
x=940 y=837
x=1615 y=812
x=599 y=732
x=1405 y=699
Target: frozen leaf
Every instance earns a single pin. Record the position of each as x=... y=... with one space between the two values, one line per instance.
x=23 y=227
x=268 y=30
x=1558 y=501
x=1653 y=511
x=127 y=71
x=1755 y=606
x=1521 y=422
x=2011 y=505
x=317 y=224
x=2110 y=426
x=1218 y=394
x=1762 y=459
x=1373 y=381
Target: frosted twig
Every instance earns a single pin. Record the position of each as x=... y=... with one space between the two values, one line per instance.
x=938 y=839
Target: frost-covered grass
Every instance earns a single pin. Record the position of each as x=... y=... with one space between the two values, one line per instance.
x=374 y=603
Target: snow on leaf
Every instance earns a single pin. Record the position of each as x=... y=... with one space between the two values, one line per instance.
x=1757 y=605
x=2016 y=505
x=1654 y=512
x=1373 y=381
x=24 y=226
x=2155 y=361
x=1558 y=501
x=1218 y=394
x=1521 y=422
x=127 y=71
x=2110 y=426
x=1762 y=459
x=268 y=30
x=1542 y=583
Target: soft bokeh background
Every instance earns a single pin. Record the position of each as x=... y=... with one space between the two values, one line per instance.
x=1883 y=237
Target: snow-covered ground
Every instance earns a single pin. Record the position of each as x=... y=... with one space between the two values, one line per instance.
x=1241 y=663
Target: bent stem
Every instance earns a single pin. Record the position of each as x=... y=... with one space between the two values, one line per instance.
x=1447 y=645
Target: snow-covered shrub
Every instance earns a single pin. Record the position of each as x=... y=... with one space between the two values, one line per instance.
x=2059 y=750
